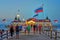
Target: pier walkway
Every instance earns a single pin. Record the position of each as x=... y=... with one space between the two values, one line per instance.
x=31 y=36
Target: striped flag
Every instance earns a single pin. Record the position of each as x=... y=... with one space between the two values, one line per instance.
x=40 y=9
x=4 y=20
x=55 y=21
x=35 y=15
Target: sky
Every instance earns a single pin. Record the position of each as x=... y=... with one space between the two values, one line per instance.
x=9 y=9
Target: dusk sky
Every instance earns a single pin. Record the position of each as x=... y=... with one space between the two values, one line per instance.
x=9 y=8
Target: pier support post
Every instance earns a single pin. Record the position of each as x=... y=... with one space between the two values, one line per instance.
x=1 y=35
x=55 y=35
x=51 y=34
x=7 y=33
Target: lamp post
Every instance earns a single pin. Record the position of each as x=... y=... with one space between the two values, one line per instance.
x=18 y=16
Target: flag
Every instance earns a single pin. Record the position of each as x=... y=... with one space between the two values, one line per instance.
x=55 y=21
x=39 y=10
x=4 y=20
x=35 y=15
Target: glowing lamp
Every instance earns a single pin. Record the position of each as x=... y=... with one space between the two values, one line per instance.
x=18 y=15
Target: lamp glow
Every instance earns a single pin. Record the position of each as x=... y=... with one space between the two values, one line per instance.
x=18 y=16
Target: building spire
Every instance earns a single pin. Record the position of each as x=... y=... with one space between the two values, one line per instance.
x=47 y=18
x=17 y=17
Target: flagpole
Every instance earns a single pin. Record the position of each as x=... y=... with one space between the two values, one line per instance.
x=43 y=14
x=43 y=11
x=43 y=18
x=42 y=6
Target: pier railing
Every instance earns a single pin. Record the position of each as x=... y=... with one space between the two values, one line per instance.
x=4 y=35
x=54 y=34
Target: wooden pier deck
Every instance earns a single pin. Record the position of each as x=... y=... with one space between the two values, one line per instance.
x=31 y=36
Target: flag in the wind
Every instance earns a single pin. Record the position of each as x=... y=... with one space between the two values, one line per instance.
x=55 y=21
x=35 y=15
x=39 y=10
x=4 y=20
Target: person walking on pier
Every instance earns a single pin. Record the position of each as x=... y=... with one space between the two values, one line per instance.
x=20 y=27
x=28 y=28
x=39 y=28
x=34 y=29
x=17 y=31
x=24 y=28
x=11 y=31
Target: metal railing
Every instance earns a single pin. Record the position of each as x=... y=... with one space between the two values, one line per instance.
x=4 y=35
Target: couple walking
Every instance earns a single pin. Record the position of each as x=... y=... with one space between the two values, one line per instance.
x=12 y=31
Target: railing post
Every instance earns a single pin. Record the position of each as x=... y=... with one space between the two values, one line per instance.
x=51 y=34
x=51 y=29
x=7 y=33
x=48 y=32
x=55 y=35
x=1 y=35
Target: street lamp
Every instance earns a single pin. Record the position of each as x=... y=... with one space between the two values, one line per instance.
x=18 y=16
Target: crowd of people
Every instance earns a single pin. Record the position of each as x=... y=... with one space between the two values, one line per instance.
x=25 y=28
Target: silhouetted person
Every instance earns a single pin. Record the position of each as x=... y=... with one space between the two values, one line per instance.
x=11 y=31
x=24 y=28
x=39 y=28
x=20 y=27
x=34 y=28
x=28 y=28
x=17 y=31
x=3 y=30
